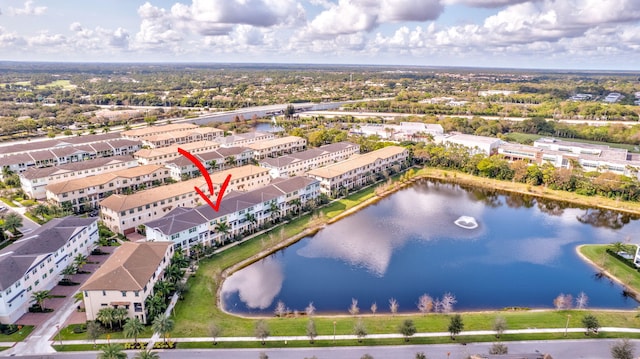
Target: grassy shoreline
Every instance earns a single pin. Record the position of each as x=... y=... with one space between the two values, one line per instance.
x=199 y=309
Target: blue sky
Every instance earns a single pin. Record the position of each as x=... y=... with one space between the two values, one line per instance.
x=562 y=34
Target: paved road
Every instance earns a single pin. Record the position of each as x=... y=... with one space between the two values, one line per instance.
x=569 y=349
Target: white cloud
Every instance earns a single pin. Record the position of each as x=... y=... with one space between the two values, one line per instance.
x=156 y=28
x=47 y=40
x=486 y=3
x=28 y=9
x=8 y=39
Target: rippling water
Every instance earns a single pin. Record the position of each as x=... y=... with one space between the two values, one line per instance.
x=521 y=254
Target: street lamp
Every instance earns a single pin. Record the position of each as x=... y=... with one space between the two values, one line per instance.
x=566 y=328
x=59 y=337
x=334 y=332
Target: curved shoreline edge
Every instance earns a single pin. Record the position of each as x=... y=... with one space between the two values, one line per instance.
x=632 y=291
x=439 y=175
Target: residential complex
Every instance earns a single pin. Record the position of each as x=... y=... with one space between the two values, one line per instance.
x=297 y=164
x=34 y=180
x=358 y=170
x=221 y=158
x=126 y=279
x=181 y=137
x=242 y=212
x=34 y=262
x=139 y=133
x=243 y=139
x=123 y=213
x=277 y=146
x=159 y=156
x=82 y=194
x=19 y=161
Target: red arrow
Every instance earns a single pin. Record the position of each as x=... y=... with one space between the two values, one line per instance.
x=207 y=177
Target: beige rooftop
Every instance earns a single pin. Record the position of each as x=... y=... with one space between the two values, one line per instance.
x=146 y=131
x=101 y=179
x=355 y=162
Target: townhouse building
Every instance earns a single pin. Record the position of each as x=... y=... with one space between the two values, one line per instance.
x=126 y=279
x=34 y=262
x=181 y=137
x=139 y=133
x=63 y=154
x=216 y=160
x=123 y=213
x=243 y=213
x=297 y=164
x=34 y=180
x=244 y=139
x=277 y=146
x=82 y=194
x=160 y=156
x=358 y=170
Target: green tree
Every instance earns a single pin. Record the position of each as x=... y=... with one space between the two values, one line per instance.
x=12 y=222
x=162 y=325
x=133 y=328
x=407 y=329
x=106 y=316
x=499 y=325
x=311 y=330
x=224 y=228
x=147 y=354
x=215 y=331
x=80 y=261
x=112 y=351
x=163 y=288
x=360 y=330
x=251 y=218
x=623 y=349
x=155 y=306
x=591 y=323
x=40 y=296
x=119 y=315
x=68 y=271
x=40 y=210
x=261 y=330
x=94 y=330
x=455 y=326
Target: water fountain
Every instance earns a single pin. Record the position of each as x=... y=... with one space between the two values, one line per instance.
x=466 y=222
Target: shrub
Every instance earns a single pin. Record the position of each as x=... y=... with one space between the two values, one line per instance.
x=163 y=345
x=79 y=328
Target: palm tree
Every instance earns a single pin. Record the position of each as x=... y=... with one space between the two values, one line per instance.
x=163 y=288
x=133 y=328
x=224 y=228
x=251 y=218
x=80 y=260
x=230 y=161
x=155 y=306
x=180 y=260
x=162 y=325
x=275 y=210
x=120 y=314
x=40 y=296
x=112 y=351
x=12 y=222
x=106 y=317
x=213 y=165
x=147 y=354
x=40 y=210
x=173 y=273
x=297 y=205
x=68 y=271
x=197 y=249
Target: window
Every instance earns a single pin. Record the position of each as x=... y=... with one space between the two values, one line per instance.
x=104 y=293
x=124 y=293
x=137 y=293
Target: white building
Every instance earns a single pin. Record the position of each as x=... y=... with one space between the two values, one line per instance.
x=242 y=212
x=405 y=131
x=127 y=278
x=299 y=163
x=216 y=160
x=244 y=139
x=34 y=180
x=34 y=262
x=477 y=144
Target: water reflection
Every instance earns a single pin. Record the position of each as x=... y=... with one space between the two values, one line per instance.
x=257 y=285
x=369 y=239
x=522 y=254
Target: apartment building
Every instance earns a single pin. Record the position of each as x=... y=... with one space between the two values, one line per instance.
x=123 y=213
x=34 y=180
x=358 y=170
x=181 y=137
x=83 y=194
x=19 y=162
x=277 y=146
x=297 y=164
x=244 y=139
x=160 y=156
x=216 y=160
x=242 y=212
x=126 y=279
x=139 y=133
x=34 y=262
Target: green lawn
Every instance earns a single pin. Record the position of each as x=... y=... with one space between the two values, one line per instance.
x=625 y=274
x=68 y=334
x=64 y=84
x=17 y=336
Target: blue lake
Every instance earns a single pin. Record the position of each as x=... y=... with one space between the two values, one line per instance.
x=522 y=254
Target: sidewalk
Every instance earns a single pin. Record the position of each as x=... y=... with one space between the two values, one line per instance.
x=351 y=337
